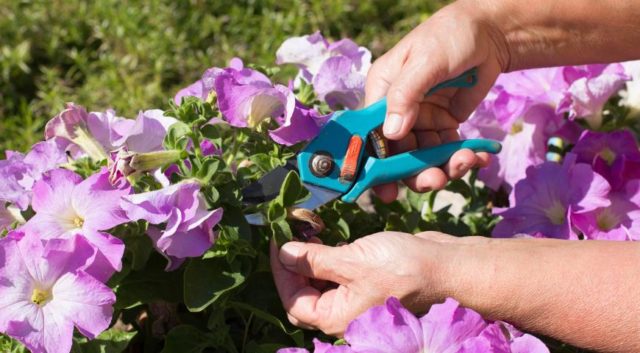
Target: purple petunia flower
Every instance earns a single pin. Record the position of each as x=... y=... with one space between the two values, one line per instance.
x=188 y=230
x=590 y=88
x=337 y=70
x=66 y=205
x=300 y=123
x=542 y=203
x=618 y=221
x=610 y=154
x=45 y=291
x=446 y=328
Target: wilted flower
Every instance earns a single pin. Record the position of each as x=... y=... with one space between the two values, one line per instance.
x=447 y=327
x=542 y=203
x=66 y=205
x=188 y=230
x=337 y=70
x=45 y=291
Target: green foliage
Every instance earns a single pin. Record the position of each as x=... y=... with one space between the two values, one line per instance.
x=103 y=54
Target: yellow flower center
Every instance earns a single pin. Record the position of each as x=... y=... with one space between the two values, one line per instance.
x=40 y=297
x=557 y=213
x=608 y=155
x=606 y=220
x=516 y=128
x=78 y=222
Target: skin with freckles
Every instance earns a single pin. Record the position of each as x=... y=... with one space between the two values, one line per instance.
x=581 y=292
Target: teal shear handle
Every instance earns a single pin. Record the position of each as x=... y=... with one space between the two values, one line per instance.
x=400 y=166
x=334 y=138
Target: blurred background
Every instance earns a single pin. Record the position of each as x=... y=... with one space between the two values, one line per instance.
x=134 y=55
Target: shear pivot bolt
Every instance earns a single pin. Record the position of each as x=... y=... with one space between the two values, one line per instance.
x=321 y=164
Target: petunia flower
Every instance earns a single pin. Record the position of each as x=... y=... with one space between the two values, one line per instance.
x=446 y=328
x=72 y=125
x=618 y=221
x=610 y=154
x=66 y=205
x=543 y=202
x=631 y=94
x=300 y=123
x=590 y=88
x=19 y=172
x=337 y=70
x=188 y=225
x=45 y=291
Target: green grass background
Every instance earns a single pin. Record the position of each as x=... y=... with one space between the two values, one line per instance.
x=134 y=55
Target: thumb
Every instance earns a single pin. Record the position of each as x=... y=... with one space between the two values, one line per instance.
x=407 y=91
x=314 y=260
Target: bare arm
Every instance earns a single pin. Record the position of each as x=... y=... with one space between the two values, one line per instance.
x=586 y=293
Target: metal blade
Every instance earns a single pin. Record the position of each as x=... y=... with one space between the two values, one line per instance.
x=267 y=188
x=319 y=197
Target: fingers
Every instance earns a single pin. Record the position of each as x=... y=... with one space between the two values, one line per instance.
x=314 y=261
x=408 y=89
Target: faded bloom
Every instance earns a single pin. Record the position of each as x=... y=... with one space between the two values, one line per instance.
x=188 y=230
x=631 y=94
x=45 y=291
x=542 y=203
x=124 y=164
x=66 y=205
x=72 y=125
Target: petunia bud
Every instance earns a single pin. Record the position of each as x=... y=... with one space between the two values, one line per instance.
x=124 y=164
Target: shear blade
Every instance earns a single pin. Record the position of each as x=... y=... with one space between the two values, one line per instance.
x=267 y=188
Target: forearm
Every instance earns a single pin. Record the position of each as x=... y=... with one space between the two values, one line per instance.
x=586 y=293
x=553 y=33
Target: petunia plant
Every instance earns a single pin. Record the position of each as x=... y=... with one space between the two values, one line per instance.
x=131 y=233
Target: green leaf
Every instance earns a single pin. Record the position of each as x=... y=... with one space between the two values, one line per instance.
x=176 y=136
x=138 y=248
x=276 y=212
x=110 y=341
x=206 y=280
x=282 y=232
x=233 y=218
x=9 y=345
x=208 y=168
x=296 y=334
x=210 y=131
x=188 y=339
x=149 y=284
x=292 y=191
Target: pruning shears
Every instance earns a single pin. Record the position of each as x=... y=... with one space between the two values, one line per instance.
x=349 y=156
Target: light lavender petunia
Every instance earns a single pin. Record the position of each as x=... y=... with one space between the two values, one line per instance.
x=337 y=70
x=543 y=202
x=188 y=230
x=590 y=88
x=631 y=94
x=72 y=124
x=45 y=291
x=66 y=205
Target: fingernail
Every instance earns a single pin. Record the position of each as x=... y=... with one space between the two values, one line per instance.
x=289 y=253
x=392 y=124
x=463 y=167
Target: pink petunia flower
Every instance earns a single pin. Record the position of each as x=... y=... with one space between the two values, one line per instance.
x=45 y=291
x=66 y=205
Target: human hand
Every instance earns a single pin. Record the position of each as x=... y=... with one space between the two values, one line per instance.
x=325 y=287
x=453 y=40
